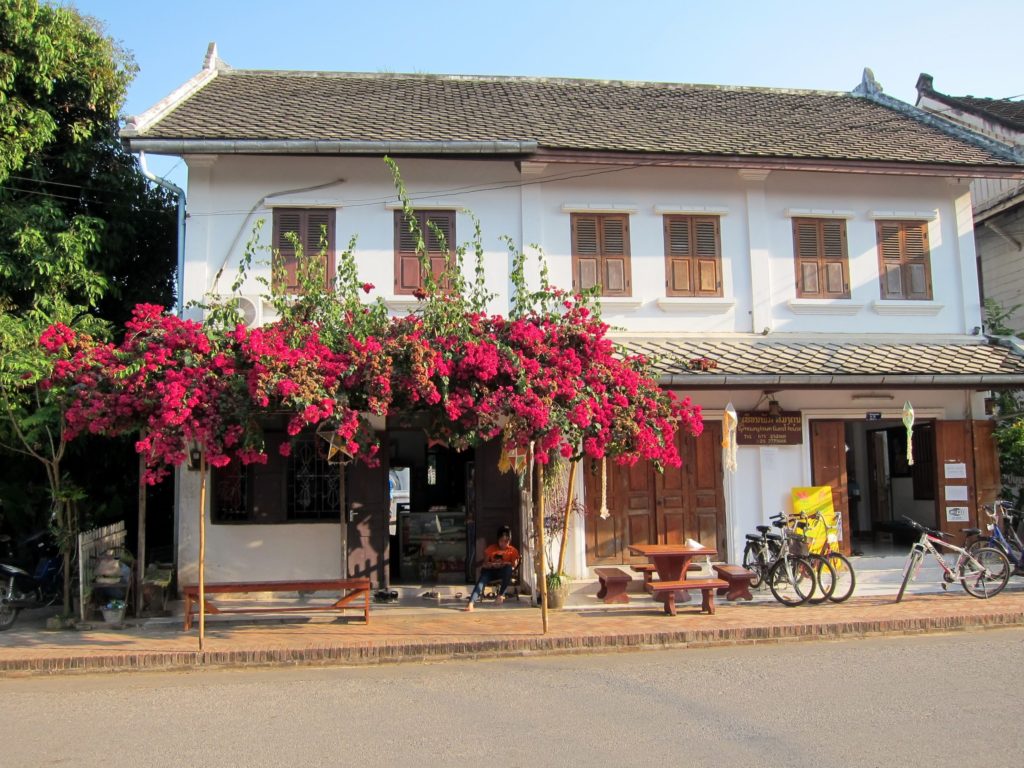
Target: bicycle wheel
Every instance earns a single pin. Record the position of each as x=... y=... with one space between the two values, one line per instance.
x=753 y=562
x=825 y=576
x=909 y=571
x=986 y=574
x=846 y=579
x=791 y=580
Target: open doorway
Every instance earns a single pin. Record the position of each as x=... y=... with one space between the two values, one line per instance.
x=887 y=487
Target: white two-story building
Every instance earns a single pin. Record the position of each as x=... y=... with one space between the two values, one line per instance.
x=806 y=256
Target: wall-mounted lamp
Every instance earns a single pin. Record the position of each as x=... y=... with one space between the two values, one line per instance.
x=976 y=330
x=765 y=331
x=774 y=408
x=195 y=455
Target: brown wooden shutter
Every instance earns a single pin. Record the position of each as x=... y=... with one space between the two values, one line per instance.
x=903 y=260
x=600 y=253
x=615 y=247
x=408 y=273
x=692 y=256
x=828 y=467
x=285 y=266
x=822 y=270
x=987 y=480
x=308 y=226
x=954 y=445
x=586 y=252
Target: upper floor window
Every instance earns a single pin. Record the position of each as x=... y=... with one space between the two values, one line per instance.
x=310 y=226
x=600 y=253
x=408 y=271
x=904 y=265
x=822 y=265
x=693 y=256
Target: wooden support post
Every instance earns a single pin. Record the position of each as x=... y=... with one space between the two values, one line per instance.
x=539 y=470
x=140 y=555
x=202 y=549
x=569 y=492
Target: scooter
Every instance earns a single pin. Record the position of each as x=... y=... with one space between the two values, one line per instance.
x=20 y=589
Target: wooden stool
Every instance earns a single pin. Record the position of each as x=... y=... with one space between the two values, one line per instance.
x=613 y=585
x=739 y=579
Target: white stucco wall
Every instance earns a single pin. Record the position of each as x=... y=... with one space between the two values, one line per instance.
x=228 y=195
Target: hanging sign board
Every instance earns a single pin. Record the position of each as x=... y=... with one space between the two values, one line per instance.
x=957 y=515
x=761 y=428
x=873 y=416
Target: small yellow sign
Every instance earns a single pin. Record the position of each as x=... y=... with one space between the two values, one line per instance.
x=808 y=502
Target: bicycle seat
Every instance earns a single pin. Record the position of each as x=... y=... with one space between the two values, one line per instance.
x=773 y=536
x=971 y=531
x=753 y=537
x=763 y=528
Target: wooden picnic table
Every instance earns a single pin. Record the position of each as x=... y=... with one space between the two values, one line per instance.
x=670 y=560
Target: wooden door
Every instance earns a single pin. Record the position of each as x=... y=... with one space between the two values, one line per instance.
x=496 y=502
x=648 y=507
x=368 y=503
x=954 y=456
x=828 y=467
x=987 y=481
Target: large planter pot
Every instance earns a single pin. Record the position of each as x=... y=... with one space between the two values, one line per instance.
x=113 y=615
x=558 y=597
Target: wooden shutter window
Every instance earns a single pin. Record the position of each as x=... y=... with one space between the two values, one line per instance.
x=408 y=273
x=822 y=266
x=308 y=224
x=904 y=262
x=600 y=253
x=693 y=263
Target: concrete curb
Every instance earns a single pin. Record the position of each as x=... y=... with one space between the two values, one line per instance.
x=389 y=652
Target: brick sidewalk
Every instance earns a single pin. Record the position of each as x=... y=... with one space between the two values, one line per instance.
x=397 y=634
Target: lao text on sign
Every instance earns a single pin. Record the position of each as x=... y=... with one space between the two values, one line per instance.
x=761 y=428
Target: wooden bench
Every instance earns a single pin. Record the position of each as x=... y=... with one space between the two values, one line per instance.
x=613 y=585
x=350 y=589
x=739 y=579
x=649 y=570
x=666 y=590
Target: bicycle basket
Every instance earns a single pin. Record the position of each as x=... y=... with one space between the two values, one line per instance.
x=798 y=545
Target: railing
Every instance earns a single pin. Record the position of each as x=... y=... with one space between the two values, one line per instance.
x=92 y=544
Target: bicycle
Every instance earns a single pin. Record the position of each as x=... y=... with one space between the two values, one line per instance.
x=761 y=551
x=791 y=578
x=982 y=574
x=845 y=580
x=1002 y=535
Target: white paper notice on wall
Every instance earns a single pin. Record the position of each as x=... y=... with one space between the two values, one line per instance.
x=957 y=515
x=954 y=470
x=956 y=493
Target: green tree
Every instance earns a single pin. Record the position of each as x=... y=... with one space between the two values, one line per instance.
x=83 y=235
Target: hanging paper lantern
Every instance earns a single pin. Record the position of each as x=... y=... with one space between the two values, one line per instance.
x=729 y=423
x=908 y=422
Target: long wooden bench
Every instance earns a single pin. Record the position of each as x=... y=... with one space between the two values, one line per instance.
x=666 y=590
x=349 y=589
x=739 y=579
x=613 y=585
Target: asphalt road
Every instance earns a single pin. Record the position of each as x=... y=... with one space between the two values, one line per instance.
x=903 y=701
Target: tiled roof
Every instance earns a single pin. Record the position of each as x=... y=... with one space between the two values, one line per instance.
x=757 y=363
x=558 y=114
x=1004 y=110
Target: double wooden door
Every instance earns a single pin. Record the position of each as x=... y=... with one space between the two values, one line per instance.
x=648 y=507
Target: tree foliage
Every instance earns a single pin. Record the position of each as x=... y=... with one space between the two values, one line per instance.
x=83 y=236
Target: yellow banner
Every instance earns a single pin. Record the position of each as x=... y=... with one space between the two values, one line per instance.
x=810 y=501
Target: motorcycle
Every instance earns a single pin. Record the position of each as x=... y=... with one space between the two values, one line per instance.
x=20 y=589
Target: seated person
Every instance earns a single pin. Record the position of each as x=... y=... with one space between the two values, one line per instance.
x=500 y=561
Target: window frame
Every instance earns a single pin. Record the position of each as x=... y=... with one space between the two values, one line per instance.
x=407 y=258
x=603 y=254
x=272 y=485
x=903 y=262
x=822 y=258
x=310 y=240
x=694 y=259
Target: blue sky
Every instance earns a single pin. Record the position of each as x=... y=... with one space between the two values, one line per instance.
x=968 y=48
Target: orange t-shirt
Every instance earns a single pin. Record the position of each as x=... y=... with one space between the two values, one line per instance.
x=509 y=555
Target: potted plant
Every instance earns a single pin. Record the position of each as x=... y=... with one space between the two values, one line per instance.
x=559 y=586
x=113 y=612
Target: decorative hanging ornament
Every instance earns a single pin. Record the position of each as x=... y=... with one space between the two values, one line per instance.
x=908 y=422
x=605 y=514
x=337 y=446
x=729 y=423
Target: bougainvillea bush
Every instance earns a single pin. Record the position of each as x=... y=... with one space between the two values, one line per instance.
x=547 y=375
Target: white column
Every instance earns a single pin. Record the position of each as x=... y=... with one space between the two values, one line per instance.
x=963 y=213
x=197 y=231
x=760 y=250
x=532 y=219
